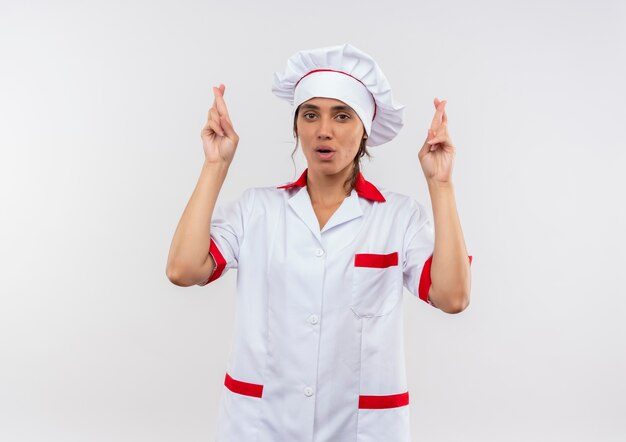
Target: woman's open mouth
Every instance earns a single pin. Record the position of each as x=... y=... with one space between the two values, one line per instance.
x=325 y=153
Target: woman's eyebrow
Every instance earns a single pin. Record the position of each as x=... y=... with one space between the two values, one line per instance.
x=334 y=108
x=343 y=107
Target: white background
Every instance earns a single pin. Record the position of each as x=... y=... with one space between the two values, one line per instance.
x=101 y=106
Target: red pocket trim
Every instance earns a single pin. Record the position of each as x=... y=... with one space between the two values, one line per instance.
x=245 y=388
x=389 y=401
x=375 y=260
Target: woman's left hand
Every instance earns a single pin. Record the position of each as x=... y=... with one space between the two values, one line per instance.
x=437 y=154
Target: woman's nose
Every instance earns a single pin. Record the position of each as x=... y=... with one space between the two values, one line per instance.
x=324 y=129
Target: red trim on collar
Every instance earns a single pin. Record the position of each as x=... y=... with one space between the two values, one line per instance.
x=363 y=187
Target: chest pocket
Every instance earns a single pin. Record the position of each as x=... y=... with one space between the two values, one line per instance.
x=375 y=284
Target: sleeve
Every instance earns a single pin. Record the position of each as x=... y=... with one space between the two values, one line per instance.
x=228 y=227
x=419 y=245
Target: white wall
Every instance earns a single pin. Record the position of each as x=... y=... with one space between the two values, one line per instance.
x=101 y=106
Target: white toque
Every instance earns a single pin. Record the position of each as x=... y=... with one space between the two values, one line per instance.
x=347 y=74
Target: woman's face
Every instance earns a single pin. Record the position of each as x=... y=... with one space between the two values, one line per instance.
x=330 y=133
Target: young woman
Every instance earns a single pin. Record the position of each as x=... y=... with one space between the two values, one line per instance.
x=317 y=351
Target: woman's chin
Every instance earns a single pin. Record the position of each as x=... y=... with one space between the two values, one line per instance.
x=328 y=168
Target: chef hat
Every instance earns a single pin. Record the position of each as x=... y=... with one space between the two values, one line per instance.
x=347 y=74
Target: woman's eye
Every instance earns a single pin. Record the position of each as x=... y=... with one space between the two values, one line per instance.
x=343 y=117
x=309 y=116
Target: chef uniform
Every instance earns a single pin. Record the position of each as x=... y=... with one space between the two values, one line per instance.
x=317 y=352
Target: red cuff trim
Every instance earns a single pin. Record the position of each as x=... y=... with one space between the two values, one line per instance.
x=245 y=388
x=375 y=260
x=219 y=261
x=424 y=284
x=389 y=401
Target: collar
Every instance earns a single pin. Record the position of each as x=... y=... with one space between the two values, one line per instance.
x=363 y=187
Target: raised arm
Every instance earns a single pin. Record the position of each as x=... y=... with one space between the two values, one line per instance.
x=450 y=272
x=189 y=261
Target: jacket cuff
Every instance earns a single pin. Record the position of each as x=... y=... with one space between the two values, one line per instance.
x=220 y=263
x=425 y=282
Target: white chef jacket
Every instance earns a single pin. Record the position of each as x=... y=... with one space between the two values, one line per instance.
x=317 y=352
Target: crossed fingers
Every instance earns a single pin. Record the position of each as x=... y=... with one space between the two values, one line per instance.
x=218 y=113
x=440 y=115
x=438 y=131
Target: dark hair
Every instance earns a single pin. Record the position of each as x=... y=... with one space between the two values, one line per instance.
x=356 y=162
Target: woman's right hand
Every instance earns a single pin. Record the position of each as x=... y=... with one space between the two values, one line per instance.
x=219 y=139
